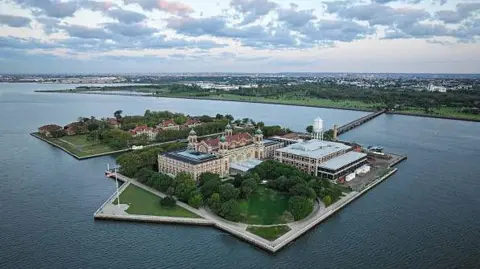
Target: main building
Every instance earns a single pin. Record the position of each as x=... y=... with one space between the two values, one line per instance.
x=216 y=155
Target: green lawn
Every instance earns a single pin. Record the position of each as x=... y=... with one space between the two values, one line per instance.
x=142 y=202
x=270 y=233
x=352 y=104
x=443 y=111
x=80 y=146
x=265 y=207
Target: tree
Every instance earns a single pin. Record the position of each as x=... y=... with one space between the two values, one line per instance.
x=327 y=200
x=214 y=202
x=228 y=192
x=219 y=117
x=168 y=201
x=229 y=117
x=180 y=119
x=129 y=163
x=245 y=120
x=300 y=206
x=248 y=187
x=210 y=187
x=118 y=115
x=302 y=189
x=170 y=191
x=260 y=124
x=195 y=199
x=57 y=133
x=309 y=129
x=231 y=210
x=287 y=217
x=184 y=177
x=143 y=175
x=184 y=189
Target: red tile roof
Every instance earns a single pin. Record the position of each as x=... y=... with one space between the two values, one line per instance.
x=192 y=122
x=142 y=128
x=50 y=127
x=167 y=123
x=231 y=139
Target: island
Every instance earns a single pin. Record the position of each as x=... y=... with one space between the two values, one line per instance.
x=408 y=96
x=267 y=188
x=89 y=137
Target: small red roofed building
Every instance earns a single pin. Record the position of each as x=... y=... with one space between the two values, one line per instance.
x=191 y=123
x=75 y=128
x=112 y=122
x=168 y=125
x=49 y=129
x=144 y=129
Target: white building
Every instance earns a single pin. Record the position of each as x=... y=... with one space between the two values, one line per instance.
x=433 y=88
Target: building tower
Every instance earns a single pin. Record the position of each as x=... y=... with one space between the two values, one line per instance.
x=259 y=145
x=317 y=129
x=228 y=130
x=223 y=145
x=192 y=139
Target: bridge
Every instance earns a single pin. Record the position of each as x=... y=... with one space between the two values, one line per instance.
x=347 y=127
x=351 y=125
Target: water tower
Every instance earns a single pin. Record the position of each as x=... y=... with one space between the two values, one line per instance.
x=317 y=129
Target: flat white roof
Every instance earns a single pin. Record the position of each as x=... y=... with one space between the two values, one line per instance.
x=246 y=165
x=342 y=160
x=314 y=148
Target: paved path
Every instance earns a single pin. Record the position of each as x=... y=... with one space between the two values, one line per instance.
x=319 y=214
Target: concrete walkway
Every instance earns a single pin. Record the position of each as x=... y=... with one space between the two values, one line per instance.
x=319 y=214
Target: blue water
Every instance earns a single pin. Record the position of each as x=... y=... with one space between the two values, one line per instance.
x=425 y=216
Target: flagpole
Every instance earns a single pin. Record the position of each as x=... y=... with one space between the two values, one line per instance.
x=116 y=181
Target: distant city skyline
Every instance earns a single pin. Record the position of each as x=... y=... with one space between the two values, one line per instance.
x=254 y=36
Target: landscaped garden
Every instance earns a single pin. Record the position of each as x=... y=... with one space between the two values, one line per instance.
x=142 y=202
x=265 y=206
x=271 y=232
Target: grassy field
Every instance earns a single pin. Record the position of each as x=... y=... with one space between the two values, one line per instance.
x=80 y=146
x=442 y=112
x=270 y=233
x=142 y=202
x=265 y=207
x=350 y=104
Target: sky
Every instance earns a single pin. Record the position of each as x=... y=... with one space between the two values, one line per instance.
x=257 y=36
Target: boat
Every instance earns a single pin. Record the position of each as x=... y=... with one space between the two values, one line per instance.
x=375 y=148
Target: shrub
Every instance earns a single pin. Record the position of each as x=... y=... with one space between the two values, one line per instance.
x=168 y=201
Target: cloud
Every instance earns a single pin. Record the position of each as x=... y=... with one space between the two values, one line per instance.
x=252 y=36
x=50 y=8
x=462 y=12
x=14 y=21
x=23 y=43
x=167 y=6
x=252 y=10
x=327 y=31
x=125 y=16
x=294 y=17
x=376 y=14
x=85 y=32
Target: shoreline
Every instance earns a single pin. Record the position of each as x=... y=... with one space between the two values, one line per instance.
x=266 y=102
x=259 y=242
x=80 y=158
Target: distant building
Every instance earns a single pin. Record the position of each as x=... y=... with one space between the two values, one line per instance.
x=433 y=88
x=144 y=129
x=75 y=128
x=47 y=130
x=112 y=122
x=191 y=123
x=168 y=125
x=287 y=139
